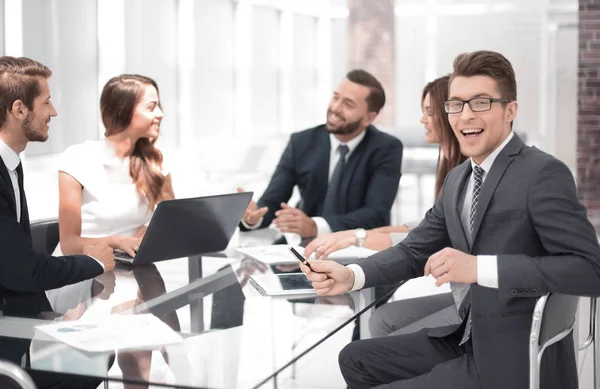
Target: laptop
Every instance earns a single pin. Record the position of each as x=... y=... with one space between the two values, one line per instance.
x=185 y=227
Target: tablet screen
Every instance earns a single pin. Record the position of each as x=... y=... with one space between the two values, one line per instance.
x=283 y=284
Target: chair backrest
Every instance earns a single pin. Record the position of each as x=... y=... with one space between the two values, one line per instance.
x=13 y=377
x=44 y=235
x=553 y=320
x=559 y=316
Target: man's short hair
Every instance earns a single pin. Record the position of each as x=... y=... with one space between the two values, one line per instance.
x=491 y=64
x=19 y=81
x=376 y=98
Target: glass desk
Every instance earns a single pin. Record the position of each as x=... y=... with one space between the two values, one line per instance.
x=233 y=337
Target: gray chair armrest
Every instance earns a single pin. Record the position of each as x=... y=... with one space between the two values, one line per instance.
x=12 y=376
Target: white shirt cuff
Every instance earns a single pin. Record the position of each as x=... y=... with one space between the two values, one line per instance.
x=359 y=276
x=322 y=226
x=101 y=264
x=487 y=271
x=254 y=227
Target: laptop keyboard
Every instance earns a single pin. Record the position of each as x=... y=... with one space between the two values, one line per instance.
x=122 y=256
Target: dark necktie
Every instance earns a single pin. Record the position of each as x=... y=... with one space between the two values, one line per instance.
x=333 y=189
x=24 y=210
x=478 y=176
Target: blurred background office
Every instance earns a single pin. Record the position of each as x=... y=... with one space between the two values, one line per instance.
x=237 y=77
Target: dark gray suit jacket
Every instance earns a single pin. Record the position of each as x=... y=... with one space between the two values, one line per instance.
x=530 y=217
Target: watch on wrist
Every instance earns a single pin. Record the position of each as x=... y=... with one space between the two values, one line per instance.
x=360 y=235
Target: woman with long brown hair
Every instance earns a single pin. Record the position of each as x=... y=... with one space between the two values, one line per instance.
x=108 y=191
x=109 y=188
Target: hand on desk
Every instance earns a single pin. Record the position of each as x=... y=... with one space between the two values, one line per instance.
x=452 y=265
x=253 y=214
x=290 y=219
x=329 y=278
x=326 y=244
x=103 y=253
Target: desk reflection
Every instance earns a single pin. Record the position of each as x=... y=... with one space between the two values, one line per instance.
x=119 y=292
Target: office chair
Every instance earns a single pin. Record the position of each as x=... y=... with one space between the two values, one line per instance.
x=553 y=320
x=592 y=339
x=44 y=235
x=13 y=377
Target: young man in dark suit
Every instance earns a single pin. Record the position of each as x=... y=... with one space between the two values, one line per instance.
x=508 y=226
x=25 y=275
x=347 y=171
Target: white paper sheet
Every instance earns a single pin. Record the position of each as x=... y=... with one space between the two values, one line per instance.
x=113 y=332
x=280 y=254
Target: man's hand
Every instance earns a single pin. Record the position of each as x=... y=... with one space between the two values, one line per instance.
x=452 y=265
x=103 y=253
x=253 y=214
x=289 y=219
x=326 y=244
x=329 y=278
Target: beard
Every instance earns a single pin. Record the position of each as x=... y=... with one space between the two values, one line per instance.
x=345 y=129
x=31 y=133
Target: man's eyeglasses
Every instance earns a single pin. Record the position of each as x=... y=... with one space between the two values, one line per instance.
x=478 y=104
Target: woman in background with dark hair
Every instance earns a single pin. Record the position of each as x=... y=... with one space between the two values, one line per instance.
x=415 y=313
x=108 y=191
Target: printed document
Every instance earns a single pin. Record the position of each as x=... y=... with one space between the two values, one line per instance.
x=144 y=331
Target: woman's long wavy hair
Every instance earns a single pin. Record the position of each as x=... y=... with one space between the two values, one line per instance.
x=119 y=98
x=438 y=93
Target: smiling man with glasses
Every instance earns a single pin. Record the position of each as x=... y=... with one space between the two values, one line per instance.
x=506 y=229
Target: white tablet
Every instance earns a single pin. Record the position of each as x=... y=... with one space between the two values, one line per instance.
x=290 y=284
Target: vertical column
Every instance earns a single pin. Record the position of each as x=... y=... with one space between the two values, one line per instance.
x=242 y=50
x=371 y=46
x=588 y=123
x=111 y=46
x=151 y=48
x=68 y=46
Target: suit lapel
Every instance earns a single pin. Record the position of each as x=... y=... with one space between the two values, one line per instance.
x=493 y=178
x=457 y=188
x=9 y=187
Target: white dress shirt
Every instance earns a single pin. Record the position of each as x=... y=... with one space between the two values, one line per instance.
x=487 y=265
x=12 y=160
x=334 y=156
